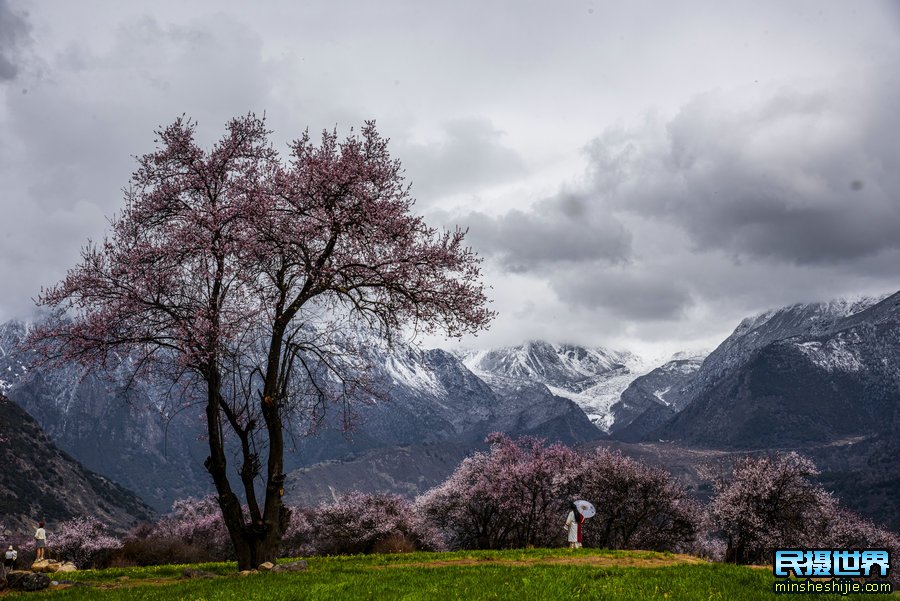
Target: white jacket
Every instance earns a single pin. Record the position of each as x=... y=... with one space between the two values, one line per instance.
x=572 y=525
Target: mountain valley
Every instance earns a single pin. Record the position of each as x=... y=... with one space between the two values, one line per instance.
x=821 y=378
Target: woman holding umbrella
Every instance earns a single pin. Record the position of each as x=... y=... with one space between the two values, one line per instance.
x=578 y=512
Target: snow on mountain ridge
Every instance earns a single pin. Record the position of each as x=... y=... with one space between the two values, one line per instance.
x=661 y=395
x=593 y=378
x=544 y=360
x=687 y=356
x=834 y=355
x=411 y=372
x=825 y=311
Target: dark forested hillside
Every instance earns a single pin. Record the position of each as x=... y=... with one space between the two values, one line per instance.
x=38 y=482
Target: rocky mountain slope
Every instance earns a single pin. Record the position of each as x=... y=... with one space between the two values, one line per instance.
x=652 y=399
x=410 y=468
x=406 y=470
x=115 y=427
x=823 y=379
x=429 y=397
x=39 y=482
x=537 y=389
x=806 y=373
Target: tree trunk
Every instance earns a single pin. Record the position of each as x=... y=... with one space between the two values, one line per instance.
x=257 y=538
x=254 y=543
x=256 y=551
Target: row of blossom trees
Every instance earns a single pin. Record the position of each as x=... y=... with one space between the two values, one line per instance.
x=195 y=532
x=516 y=494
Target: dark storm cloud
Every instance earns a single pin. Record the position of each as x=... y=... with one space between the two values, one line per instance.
x=564 y=230
x=801 y=177
x=470 y=155
x=13 y=35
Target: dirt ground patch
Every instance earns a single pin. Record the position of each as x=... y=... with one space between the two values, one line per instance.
x=599 y=562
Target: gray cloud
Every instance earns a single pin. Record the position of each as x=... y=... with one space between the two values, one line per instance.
x=769 y=176
x=733 y=205
x=802 y=177
x=68 y=144
x=470 y=155
x=14 y=30
x=566 y=229
x=625 y=293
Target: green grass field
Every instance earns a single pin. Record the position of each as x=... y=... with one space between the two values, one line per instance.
x=502 y=575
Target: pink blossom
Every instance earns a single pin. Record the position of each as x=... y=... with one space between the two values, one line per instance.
x=84 y=542
x=359 y=523
x=519 y=492
x=638 y=506
x=195 y=521
x=772 y=502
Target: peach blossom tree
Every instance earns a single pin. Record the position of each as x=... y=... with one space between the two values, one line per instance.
x=247 y=276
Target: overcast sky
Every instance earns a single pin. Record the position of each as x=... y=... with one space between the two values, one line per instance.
x=640 y=175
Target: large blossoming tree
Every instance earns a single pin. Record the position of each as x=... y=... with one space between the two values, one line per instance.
x=248 y=276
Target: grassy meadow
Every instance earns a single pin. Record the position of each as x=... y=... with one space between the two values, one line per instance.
x=519 y=575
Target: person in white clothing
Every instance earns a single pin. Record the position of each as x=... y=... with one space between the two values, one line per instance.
x=40 y=541
x=10 y=558
x=573 y=526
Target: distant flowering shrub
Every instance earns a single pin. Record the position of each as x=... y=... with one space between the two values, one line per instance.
x=299 y=538
x=843 y=529
x=196 y=522
x=192 y=532
x=767 y=502
x=354 y=523
x=515 y=495
x=84 y=542
x=364 y=523
x=772 y=502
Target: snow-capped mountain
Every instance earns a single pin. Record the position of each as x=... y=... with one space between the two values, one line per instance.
x=754 y=333
x=823 y=379
x=823 y=337
x=816 y=374
x=801 y=373
x=431 y=397
x=118 y=431
x=594 y=378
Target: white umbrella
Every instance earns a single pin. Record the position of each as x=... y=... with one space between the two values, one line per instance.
x=585 y=508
